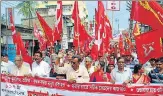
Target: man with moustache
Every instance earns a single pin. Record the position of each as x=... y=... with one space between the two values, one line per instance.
x=39 y=67
x=121 y=73
x=75 y=73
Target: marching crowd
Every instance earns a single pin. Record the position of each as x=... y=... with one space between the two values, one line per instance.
x=80 y=68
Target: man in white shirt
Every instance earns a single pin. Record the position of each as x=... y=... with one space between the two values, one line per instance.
x=5 y=64
x=20 y=69
x=121 y=74
x=75 y=73
x=39 y=67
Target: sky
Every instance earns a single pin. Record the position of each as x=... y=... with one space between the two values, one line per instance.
x=122 y=15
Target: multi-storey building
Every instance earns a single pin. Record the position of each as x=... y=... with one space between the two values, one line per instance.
x=47 y=9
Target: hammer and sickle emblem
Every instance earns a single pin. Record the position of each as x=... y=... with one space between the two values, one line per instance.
x=148 y=48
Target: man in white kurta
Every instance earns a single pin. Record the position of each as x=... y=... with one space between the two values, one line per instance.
x=5 y=64
x=19 y=68
x=75 y=73
x=40 y=68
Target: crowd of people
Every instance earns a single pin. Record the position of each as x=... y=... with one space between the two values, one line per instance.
x=81 y=68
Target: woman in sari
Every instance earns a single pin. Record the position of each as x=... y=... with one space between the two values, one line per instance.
x=99 y=75
x=138 y=76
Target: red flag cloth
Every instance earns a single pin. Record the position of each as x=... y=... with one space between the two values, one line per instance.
x=100 y=29
x=41 y=39
x=148 y=47
x=94 y=52
x=75 y=17
x=101 y=17
x=13 y=28
x=96 y=22
x=121 y=45
x=107 y=35
x=47 y=30
x=20 y=48
x=136 y=30
x=58 y=26
x=145 y=12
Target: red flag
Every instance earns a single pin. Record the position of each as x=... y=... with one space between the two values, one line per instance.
x=47 y=30
x=94 y=52
x=148 y=47
x=107 y=35
x=36 y=31
x=121 y=42
x=121 y=45
x=136 y=30
x=75 y=17
x=145 y=12
x=100 y=26
x=101 y=17
x=12 y=27
x=96 y=22
x=41 y=39
x=20 y=48
x=58 y=25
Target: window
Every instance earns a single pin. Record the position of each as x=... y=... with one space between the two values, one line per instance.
x=66 y=7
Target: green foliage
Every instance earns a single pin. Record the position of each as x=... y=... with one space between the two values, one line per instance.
x=27 y=8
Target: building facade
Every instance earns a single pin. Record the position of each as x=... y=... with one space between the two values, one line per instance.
x=47 y=9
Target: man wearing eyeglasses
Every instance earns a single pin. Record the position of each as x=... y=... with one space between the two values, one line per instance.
x=75 y=73
x=121 y=74
x=20 y=69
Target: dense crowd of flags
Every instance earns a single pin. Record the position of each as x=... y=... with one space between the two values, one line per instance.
x=148 y=44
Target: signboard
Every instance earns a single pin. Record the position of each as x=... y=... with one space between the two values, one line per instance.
x=113 y=5
x=64 y=42
x=9 y=13
x=24 y=86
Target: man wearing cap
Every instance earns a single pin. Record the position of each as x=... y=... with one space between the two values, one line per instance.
x=75 y=73
x=5 y=64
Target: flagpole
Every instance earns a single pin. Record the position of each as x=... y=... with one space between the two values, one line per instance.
x=7 y=28
x=0 y=34
x=112 y=21
x=78 y=28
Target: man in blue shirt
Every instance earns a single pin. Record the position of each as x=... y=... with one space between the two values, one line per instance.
x=156 y=75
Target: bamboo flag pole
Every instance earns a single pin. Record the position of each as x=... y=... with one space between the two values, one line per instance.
x=112 y=21
x=77 y=27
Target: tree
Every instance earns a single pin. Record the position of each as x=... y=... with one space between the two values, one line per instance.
x=27 y=8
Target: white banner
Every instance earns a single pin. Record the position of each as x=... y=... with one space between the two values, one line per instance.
x=23 y=86
x=113 y=5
